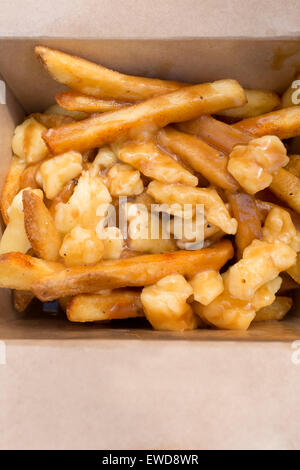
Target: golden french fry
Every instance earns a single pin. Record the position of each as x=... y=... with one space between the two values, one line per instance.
x=11 y=186
x=27 y=179
x=20 y=271
x=14 y=237
x=150 y=160
x=50 y=120
x=259 y=102
x=181 y=105
x=287 y=97
x=294 y=165
x=40 y=227
x=245 y=211
x=138 y=271
x=95 y=80
x=284 y=123
x=216 y=133
x=118 y=304
x=208 y=161
x=56 y=110
x=128 y=253
x=286 y=187
x=22 y=299
x=276 y=311
x=74 y=101
x=264 y=208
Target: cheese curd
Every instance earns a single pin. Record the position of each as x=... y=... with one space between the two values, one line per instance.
x=89 y=195
x=191 y=233
x=215 y=210
x=261 y=263
x=81 y=246
x=252 y=165
x=54 y=173
x=207 y=285
x=123 y=180
x=113 y=242
x=265 y=295
x=104 y=160
x=279 y=226
x=165 y=304
x=14 y=237
x=27 y=142
x=226 y=312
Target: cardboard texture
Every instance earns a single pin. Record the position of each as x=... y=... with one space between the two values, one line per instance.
x=126 y=386
x=149 y=19
x=145 y=395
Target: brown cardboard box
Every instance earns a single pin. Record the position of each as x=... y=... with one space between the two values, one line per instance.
x=72 y=386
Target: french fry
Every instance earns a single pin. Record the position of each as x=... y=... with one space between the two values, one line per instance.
x=208 y=161
x=153 y=162
x=27 y=179
x=20 y=271
x=11 y=186
x=57 y=110
x=128 y=253
x=181 y=105
x=276 y=311
x=117 y=304
x=286 y=187
x=264 y=208
x=95 y=80
x=50 y=120
x=216 y=133
x=22 y=299
x=259 y=102
x=40 y=227
x=284 y=123
x=131 y=272
x=14 y=237
x=245 y=211
x=294 y=165
x=74 y=101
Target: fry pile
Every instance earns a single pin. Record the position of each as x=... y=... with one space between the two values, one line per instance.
x=154 y=142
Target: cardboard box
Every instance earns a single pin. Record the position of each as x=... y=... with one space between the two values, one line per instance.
x=77 y=386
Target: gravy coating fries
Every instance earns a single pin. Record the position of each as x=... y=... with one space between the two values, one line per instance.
x=137 y=197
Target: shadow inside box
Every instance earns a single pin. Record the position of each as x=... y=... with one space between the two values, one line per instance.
x=41 y=322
